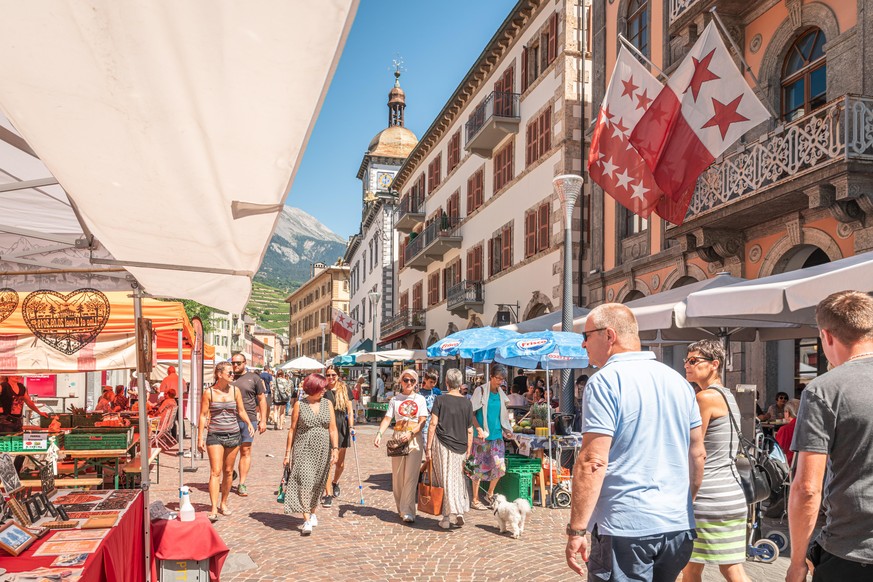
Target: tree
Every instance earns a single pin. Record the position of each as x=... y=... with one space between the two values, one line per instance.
x=194 y=309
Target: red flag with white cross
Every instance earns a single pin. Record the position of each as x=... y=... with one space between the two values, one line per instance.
x=705 y=107
x=343 y=325
x=613 y=163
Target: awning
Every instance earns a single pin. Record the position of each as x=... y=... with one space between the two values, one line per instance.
x=174 y=131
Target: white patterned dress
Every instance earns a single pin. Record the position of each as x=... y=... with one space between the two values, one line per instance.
x=310 y=459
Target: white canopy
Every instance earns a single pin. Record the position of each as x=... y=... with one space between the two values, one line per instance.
x=545 y=322
x=391 y=356
x=173 y=128
x=786 y=297
x=302 y=363
x=664 y=317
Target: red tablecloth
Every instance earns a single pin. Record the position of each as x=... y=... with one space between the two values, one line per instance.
x=118 y=559
x=188 y=540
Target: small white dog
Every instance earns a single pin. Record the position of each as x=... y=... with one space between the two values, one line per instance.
x=511 y=515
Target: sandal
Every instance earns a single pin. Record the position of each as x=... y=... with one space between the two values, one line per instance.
x=225 y=511
x=478 y=505
x=213 y=517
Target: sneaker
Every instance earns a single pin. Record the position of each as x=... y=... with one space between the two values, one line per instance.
x=459 y=521
x=336 y=490
x=307 y=529
x=326 y=501
x=445 y=523
x=242 y=490
x=408 y=518
x=313 y=520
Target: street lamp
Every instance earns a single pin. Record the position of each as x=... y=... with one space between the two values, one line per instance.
x=299 y=341
x=374 y=299
x=323 y=327
x=568 y=187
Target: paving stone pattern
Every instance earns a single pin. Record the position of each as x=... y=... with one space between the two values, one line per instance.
x=368 y=542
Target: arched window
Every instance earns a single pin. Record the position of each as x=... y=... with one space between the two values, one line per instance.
x=804 y=75
x=638 y=25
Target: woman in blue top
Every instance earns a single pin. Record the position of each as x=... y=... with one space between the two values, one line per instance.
x=490 y=424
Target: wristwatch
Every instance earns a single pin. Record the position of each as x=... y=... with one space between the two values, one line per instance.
x=576 y=532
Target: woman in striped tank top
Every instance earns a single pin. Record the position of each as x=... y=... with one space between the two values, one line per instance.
x=222 y=405
x=720 y=509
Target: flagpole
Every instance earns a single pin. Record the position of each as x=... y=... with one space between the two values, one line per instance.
x=724 y=31
x=640 y=55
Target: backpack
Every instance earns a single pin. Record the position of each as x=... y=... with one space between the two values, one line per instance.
x=281 y=391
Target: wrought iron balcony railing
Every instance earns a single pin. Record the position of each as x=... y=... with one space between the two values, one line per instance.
x=839 y=131
x=495 y=118
x=441 y=230
x=410 y=211
x=465 y=294
x=403 y=320
x=679 y=7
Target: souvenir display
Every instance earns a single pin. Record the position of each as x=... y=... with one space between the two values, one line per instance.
x=8 y=474
x=100 y=522
x=60 y=524
x=47 y=480
x=34 y=508
x=76 y=507
x=51 y=575
x=70 y=559
x=49 y=507
x=71 y=498
x=53 y=548
x=14 y=538
x=19 y=511
x=89 y=514
x=79 y=534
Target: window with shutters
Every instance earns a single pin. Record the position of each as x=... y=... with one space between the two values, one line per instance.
x=638 y=25
x=474 y=191
x=453 y=206
x=417 y=296
x=500 y=252
x=530 y=233
x=474 y=264
x=539 y=136
x=433 y=289
x=402 y=253
x=544 y=226
x=451 y=275
x=404 y=301
x=434 y=169
x=503 y=89
x=503 y=165
x=454 y=152
x=539 y=53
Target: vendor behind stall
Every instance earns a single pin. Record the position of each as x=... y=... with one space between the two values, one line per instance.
x=13 y=397
x=106 y=402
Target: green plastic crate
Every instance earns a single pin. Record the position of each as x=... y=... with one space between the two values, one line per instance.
x=516 y=485
x=66 y=420
x=522 y=464
x=15 y=443
x=87 y=419
x=91 y=440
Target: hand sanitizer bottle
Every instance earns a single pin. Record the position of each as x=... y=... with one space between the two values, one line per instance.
x=186 y=510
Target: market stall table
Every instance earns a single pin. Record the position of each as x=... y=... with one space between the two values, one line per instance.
x=533 y=446
x=188 y=540
x=118 y=558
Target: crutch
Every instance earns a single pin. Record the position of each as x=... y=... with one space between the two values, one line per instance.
x=358 y=468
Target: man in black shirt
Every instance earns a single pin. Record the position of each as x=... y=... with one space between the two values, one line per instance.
x=254 y=398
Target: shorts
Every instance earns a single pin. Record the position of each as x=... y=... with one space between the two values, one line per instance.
x=247 y=437
x=227 y=440
x=654 y=557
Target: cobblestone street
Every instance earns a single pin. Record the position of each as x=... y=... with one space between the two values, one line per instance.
x=368 y=542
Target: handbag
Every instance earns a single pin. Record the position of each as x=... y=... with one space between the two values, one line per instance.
x=430 y=497
x=283 y=483
x=753 y=479
x=397 y=447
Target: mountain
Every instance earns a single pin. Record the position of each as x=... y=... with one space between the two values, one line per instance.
x=299 y=240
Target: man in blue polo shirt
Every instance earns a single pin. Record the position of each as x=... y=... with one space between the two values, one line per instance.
x=641 y=461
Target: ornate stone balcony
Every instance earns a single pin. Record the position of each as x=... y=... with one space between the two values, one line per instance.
x=495 y=118
x=438 y=237
x=841 y=131
x=680 y=7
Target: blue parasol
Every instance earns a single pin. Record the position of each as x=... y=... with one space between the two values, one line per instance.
x=550 y=350
x=464 y=343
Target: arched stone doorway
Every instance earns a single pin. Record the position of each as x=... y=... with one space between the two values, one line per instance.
x=416 y=344
x=539 y=304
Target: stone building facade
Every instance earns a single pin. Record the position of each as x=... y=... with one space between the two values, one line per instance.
x=480 y=229
x=796 y=191
x=310 y=306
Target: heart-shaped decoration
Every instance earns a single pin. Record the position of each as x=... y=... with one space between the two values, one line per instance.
x=66 y=322
x=8 y=302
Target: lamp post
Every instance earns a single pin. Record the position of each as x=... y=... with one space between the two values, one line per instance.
x=323 y=327
x=299 y=341
x=374 y=299
x=568 y=187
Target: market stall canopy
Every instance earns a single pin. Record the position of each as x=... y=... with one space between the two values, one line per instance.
x=113 y=347
x=663 y=317
x=787 y=297
x=170 y=134
x=391 y=356
x=302 y=363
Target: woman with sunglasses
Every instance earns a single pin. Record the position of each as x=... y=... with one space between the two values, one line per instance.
x=220 y=413
x=720 y=506
x=340 y=396
x=409 y=411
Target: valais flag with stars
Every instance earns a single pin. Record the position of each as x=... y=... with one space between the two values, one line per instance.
x=704 y=108
x=343 y=325
x=613 y=163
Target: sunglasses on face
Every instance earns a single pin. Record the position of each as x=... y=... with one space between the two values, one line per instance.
x=585 y=334
x=781 y=398
x=237 y=363
x=408 y=380
x=694 y=360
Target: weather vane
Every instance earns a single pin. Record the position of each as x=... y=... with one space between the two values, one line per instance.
x=398 y=65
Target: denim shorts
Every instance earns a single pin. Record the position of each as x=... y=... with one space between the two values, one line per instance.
x=227 y=440
x=247 y=437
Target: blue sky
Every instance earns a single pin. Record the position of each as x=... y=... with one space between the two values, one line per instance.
x=438 y=42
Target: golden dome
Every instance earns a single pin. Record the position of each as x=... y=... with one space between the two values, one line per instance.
x=393 y=142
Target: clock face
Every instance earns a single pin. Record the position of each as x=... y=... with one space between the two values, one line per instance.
x=383 y=180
